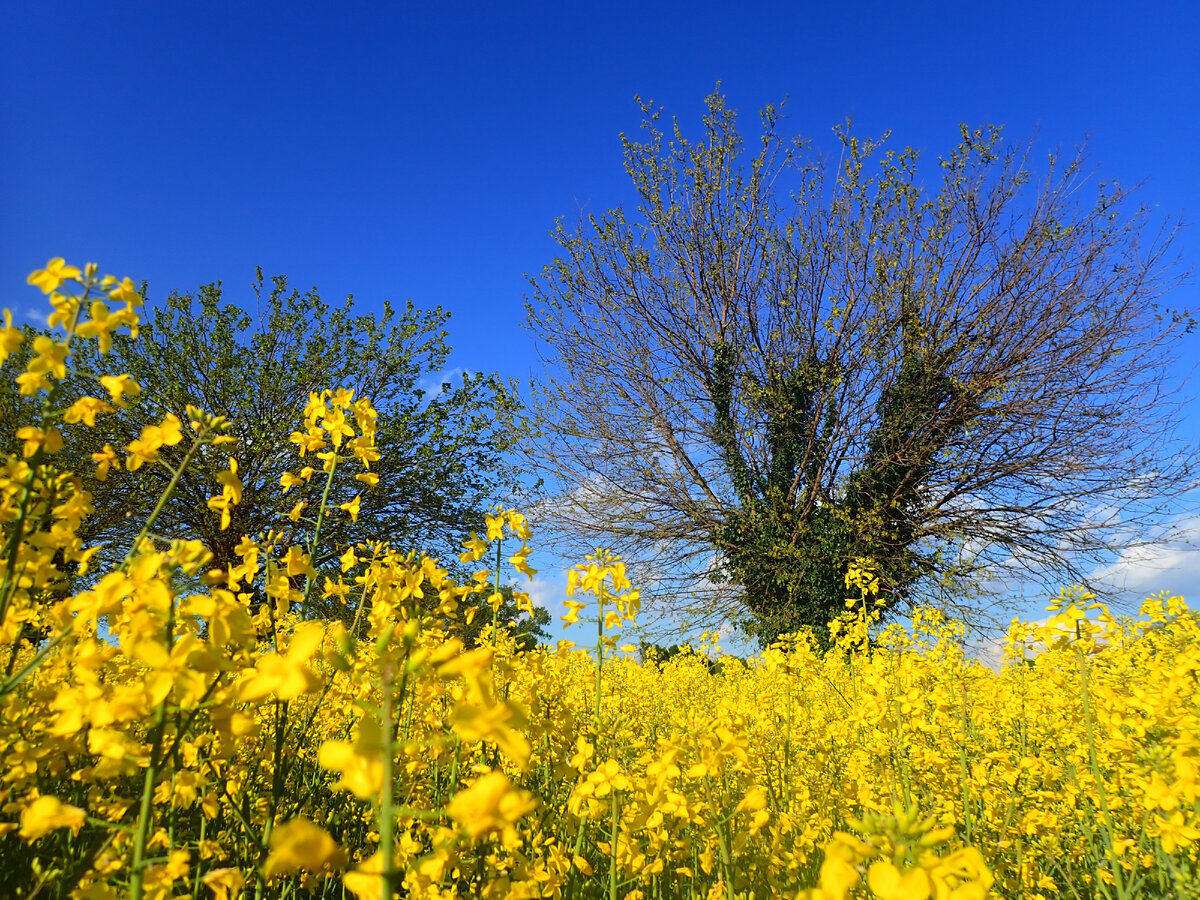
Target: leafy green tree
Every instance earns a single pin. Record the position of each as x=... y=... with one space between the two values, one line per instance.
x=528 y=628
x=778 y=365
x=444 y=448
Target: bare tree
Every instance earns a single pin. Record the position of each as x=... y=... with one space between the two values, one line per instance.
x=778 y=366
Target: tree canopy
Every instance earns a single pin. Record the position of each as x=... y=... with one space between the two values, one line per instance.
x=779 y=364
x=443 y=445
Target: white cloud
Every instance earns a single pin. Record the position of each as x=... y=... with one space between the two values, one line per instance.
x=434 y=383
x=1172 y=565
x=547 y=589
x=31 y=315
x=989 y=649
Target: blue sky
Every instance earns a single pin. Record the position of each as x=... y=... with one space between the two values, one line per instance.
x=419 y=151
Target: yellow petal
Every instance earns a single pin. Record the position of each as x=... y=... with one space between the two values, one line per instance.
x=46 y=814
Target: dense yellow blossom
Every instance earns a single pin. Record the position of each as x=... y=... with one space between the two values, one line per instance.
x=168 y=730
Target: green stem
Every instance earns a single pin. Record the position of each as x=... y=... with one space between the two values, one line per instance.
x=962 y=768
x=578 y=849
x=164 y=497
x=599 y=652
x=145 y=811
x=11 y=681
x=13 y=544
x=722 y=843
x=278 y=770
x=312 y=547
x=496 y=606
x=387 y=838
x=147 y=804
x=612 y=845
x=1113 y=866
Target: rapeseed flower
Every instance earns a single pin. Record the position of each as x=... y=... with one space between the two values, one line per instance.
x=168 y=728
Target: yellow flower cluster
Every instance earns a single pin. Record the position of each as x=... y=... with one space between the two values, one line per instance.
x=170 y=730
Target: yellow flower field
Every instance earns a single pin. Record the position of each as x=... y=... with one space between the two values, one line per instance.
x=175 y=731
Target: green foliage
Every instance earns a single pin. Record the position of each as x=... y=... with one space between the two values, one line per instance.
x=660 y=654
x=527 y=629
x=443 y=451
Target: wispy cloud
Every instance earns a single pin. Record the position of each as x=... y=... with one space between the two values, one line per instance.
x=434 y=384
x=548 y=589
x=31 y=315
x=1171 y=565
